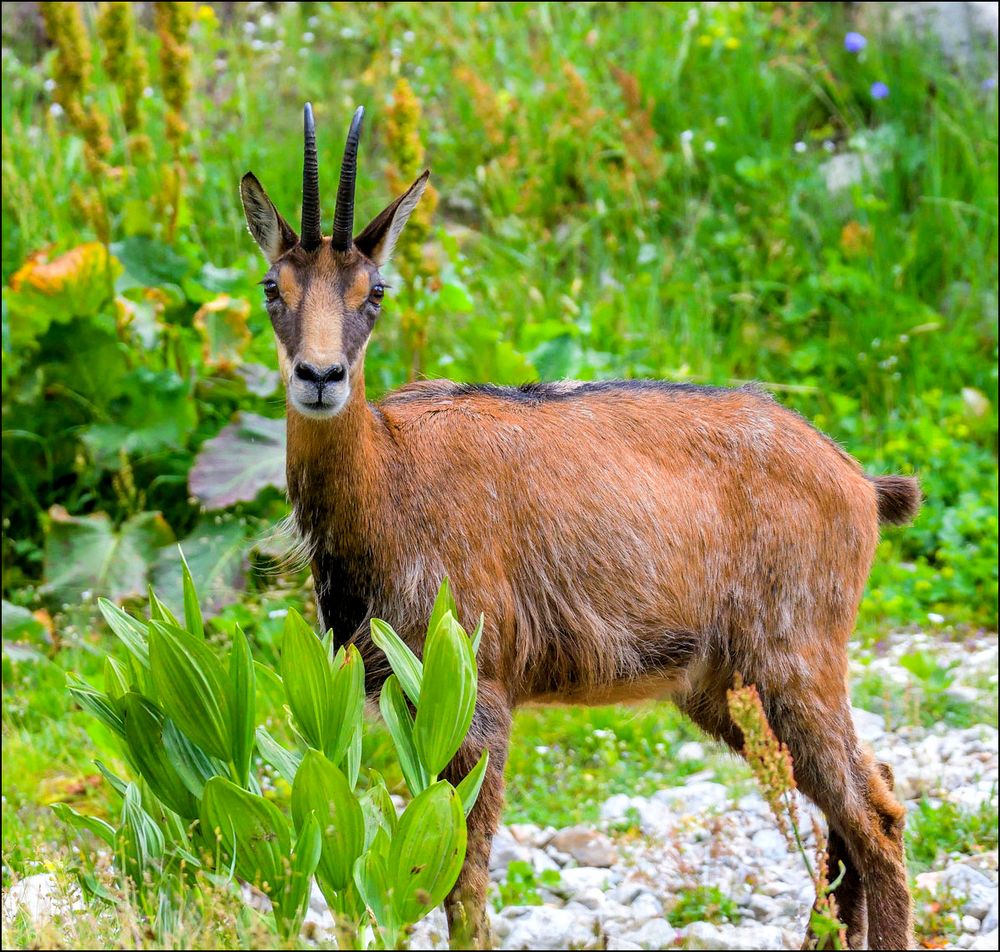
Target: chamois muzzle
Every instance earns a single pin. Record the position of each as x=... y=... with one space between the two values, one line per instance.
x=343 y=219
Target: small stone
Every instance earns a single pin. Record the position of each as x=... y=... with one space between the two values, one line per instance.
x=646 y=906
x=577 y=879
x=619 y=942
x=588 y=847
x=655 y=934
x=625 y=892
x=770 y=843
x=970 y=924
x=986 y=941
x=690 y=751
x=763 y=908
x=545 y=927
x=507 y=850
x=989 y=923
x=868 y=726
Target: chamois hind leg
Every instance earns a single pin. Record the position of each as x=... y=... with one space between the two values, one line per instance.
x=846 y=783
x=468 y=921
x=864 y=818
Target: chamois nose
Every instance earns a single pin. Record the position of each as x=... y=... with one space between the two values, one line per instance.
x=332 y=374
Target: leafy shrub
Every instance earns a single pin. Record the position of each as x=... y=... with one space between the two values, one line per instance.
x=199 y=806
x=702 y=904
x=936 y=831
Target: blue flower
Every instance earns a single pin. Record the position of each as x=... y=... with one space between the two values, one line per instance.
x=854 y=42
x=880 y=91
x=988 y=84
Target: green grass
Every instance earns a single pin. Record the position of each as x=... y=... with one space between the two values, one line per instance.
x=935 y=833
x=702 y=904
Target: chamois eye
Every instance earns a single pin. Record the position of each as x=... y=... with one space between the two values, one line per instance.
x=271 y=290
x=376 y=294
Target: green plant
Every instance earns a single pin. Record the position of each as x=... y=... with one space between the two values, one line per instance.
x=702 y=904
x=186 y=720
x=521 y=885
x=936 y=831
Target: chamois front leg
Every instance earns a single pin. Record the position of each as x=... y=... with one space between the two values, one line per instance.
x=468 y=921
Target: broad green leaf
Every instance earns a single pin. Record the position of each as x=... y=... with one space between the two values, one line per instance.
x=371 y=876
x=477 y=635
x=304 y=860
x=345 y=703
x=158 y=611
x=405 y=664
x=470 y=785
x=116 y=782
x=270 y=692
x=305 y=671
x=138 y=841
x=352 y=762
x=92 y=824
x=130 y=631
x=150 y=262
x=116 y=679
x=398 y=719
x=242 y=704
x=252 y=834
x=447 y=696
x=427 y=851
x=215 y=552
x=443 y=603
x=193 y=765
x=322 y=790
x=96 y=703
x=286 y=762
x=192 y=610
x=144 y=725
x=192 y=687
x=87 y=553
x=245 y=457
x=378 y=808
x=222 y=326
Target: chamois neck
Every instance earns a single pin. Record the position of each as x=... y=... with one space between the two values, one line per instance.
x=336 y=474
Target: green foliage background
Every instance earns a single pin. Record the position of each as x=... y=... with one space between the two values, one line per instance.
x=625 y=190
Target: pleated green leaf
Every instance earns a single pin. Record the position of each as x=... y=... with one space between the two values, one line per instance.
x=322 y=790
x=398 y=719
x=253 y=836
x=345 y=703
x=470 y=785
x=443 y=604
x=305 y=671
x=427 y=851
x=144 y=725
x=96 y=703
x=192 y=687
x=192 y=610
x=447 y=696
x=130 y=631
x=193 y=765
x=242 y=704
x=159 y=612
x=92 y=824
x=115 y=679
x=138 y=840
x=405 y=664
x=371 y=876
x=286 y=762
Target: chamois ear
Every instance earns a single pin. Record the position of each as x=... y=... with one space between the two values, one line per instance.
x=379 y=238
x=274 y=235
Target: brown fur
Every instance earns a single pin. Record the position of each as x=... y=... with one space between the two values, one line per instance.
x=624 y=540
x=898 y=499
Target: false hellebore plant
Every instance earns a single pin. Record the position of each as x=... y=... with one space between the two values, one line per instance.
x=185 y=718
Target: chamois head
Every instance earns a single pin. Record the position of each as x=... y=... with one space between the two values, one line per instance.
x=324 y=294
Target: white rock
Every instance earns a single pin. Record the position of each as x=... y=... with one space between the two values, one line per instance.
x=770 y=843
x=970 y=924
x=626 y=892
x=617 y=942
x=431 y=932
x=646 y=906
x=986 y=941
x=989 y=923
x=689 y=751
x=868 y=726
x=507 y=850
x=578 y=879
x=545 y=927
x=588 y=847
x=655 y=934
x=41 y=898
x=694 y=797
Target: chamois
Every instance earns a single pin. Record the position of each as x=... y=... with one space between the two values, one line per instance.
x=625 y=539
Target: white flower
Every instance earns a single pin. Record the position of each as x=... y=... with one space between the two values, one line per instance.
x=312 y=22
x=829 y=145
x=409 y=36
x=147 y=93
x=800 y=147
x=267 y=20
x=721 y=121
x=49 y=85
x=709 y=145
x=249 y=28
x=686 y=136
x=55 y=110
x=936 y=618
x=308 y=37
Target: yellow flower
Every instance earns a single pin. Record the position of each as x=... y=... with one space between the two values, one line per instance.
x=732 y=43
x=206 y=14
